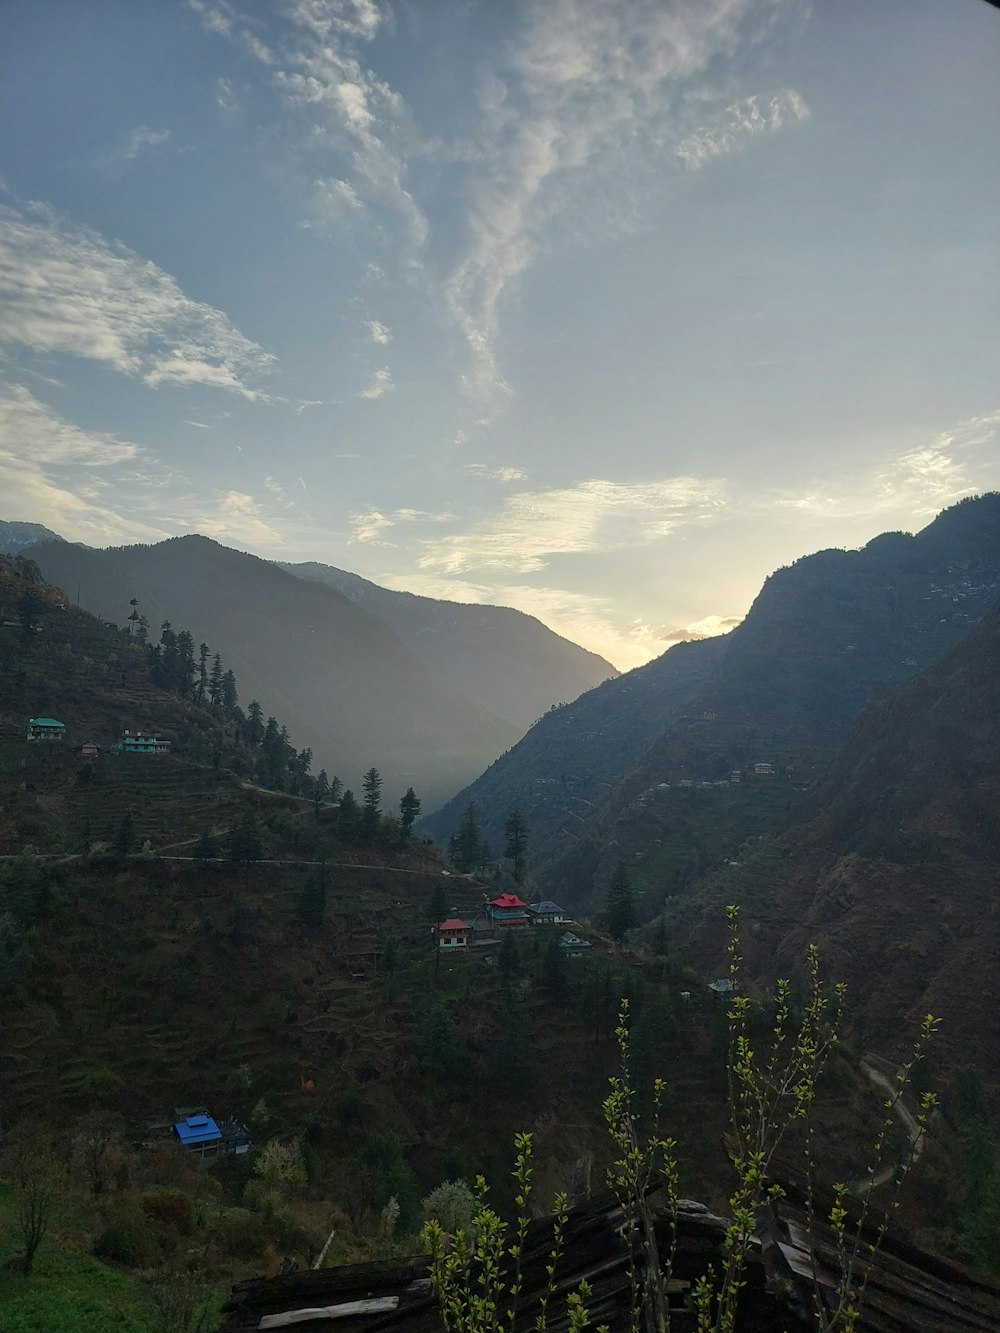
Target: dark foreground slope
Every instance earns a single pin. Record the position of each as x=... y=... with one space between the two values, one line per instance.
x=340 y=680
x=509 y=661
x=601 y=781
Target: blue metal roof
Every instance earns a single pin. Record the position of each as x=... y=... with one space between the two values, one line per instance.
x=197 y=1129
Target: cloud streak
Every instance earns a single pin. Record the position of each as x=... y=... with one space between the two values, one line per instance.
x=380 y=384
x=915 y=482
x=586 y=80
x=741 y=122
x=66 y=289
x=593 y=515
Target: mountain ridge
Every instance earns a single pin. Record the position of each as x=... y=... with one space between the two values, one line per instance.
x=824 y=638
x=507 y=659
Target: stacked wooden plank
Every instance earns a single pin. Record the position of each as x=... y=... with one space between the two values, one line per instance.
x=791 y=1268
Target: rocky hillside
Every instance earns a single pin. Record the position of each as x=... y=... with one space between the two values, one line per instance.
x=896 y=874
x=17 y=537
x=509 y=661
x=641 y=769
x=341 y=680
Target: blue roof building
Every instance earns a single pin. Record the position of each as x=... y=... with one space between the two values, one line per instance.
x=200 y=1133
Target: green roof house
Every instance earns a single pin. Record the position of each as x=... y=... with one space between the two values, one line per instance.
x=45 y=729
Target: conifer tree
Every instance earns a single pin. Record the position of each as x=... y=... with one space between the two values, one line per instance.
x=215 y=682
x=371 y=786
x=465 y=845
x=409 y=808
x=515 y=832
x=619 y=905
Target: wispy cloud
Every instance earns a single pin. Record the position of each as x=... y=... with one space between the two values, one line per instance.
x=380 y=383
x=368 y=527
x=594 y=515
x=51 y=467
x=238 y=517
x=496 y=473
x=67 y=289
x=705 y=628
x=378 y=332
x=200 y=425
x=914 y=483
x=585 y=80
x=316 y=65
x=141 y=139
x=739 y=123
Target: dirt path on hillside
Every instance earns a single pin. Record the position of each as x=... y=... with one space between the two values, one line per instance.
x=906 y=1117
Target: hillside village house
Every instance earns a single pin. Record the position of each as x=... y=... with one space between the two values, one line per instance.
x=205 y=1137
x=452 y=934
x=45 y=729
x=573 y=945
x=547 y=913
x=508 y=910
x=762 y=769
x=134 y=742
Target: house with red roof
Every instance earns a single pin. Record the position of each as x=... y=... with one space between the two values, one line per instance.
x=508 y=910
x=452 y=934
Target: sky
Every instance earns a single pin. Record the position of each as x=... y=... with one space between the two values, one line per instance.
x=603 y=309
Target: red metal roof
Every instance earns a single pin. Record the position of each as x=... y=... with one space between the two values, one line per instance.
x=453 y=923
x=510 y=901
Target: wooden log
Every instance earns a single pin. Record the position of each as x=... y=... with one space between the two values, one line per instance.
x=285 y=1318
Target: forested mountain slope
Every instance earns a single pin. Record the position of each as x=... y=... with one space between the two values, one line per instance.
x=896 y=873
x=342 y=682
x=509 y=661
x=824 y=638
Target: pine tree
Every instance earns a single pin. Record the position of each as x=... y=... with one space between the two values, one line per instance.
x=202 y=687
x=255 y=722
x=371 y=786
x=619 y=907
x=409 y=808
x=184 y=670
x=465 y=844
x=215 y=682
x=244 y=842
x=229 y=694
x=347 y=820
x=515 y=832
x=437 y=907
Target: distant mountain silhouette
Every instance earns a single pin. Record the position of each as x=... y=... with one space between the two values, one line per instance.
x=16 y=537
x=824 y=638
x=341 y=680
x=509 y=661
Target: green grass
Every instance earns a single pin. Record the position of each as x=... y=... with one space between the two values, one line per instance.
x=68 y=1291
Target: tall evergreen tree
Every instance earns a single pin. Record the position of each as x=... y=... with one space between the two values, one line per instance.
x=465 y=844
x=437 y=906
x=255 y=723
x=409 y=808
x=184 y=672
x=202 y=687
x=371 y=787
x=619 y=906
x=215 y=682
x=244 y=842
x=349 y=817
x=515 y=832
x=229 y=693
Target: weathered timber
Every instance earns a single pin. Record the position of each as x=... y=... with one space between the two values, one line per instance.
x=793 y=1267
